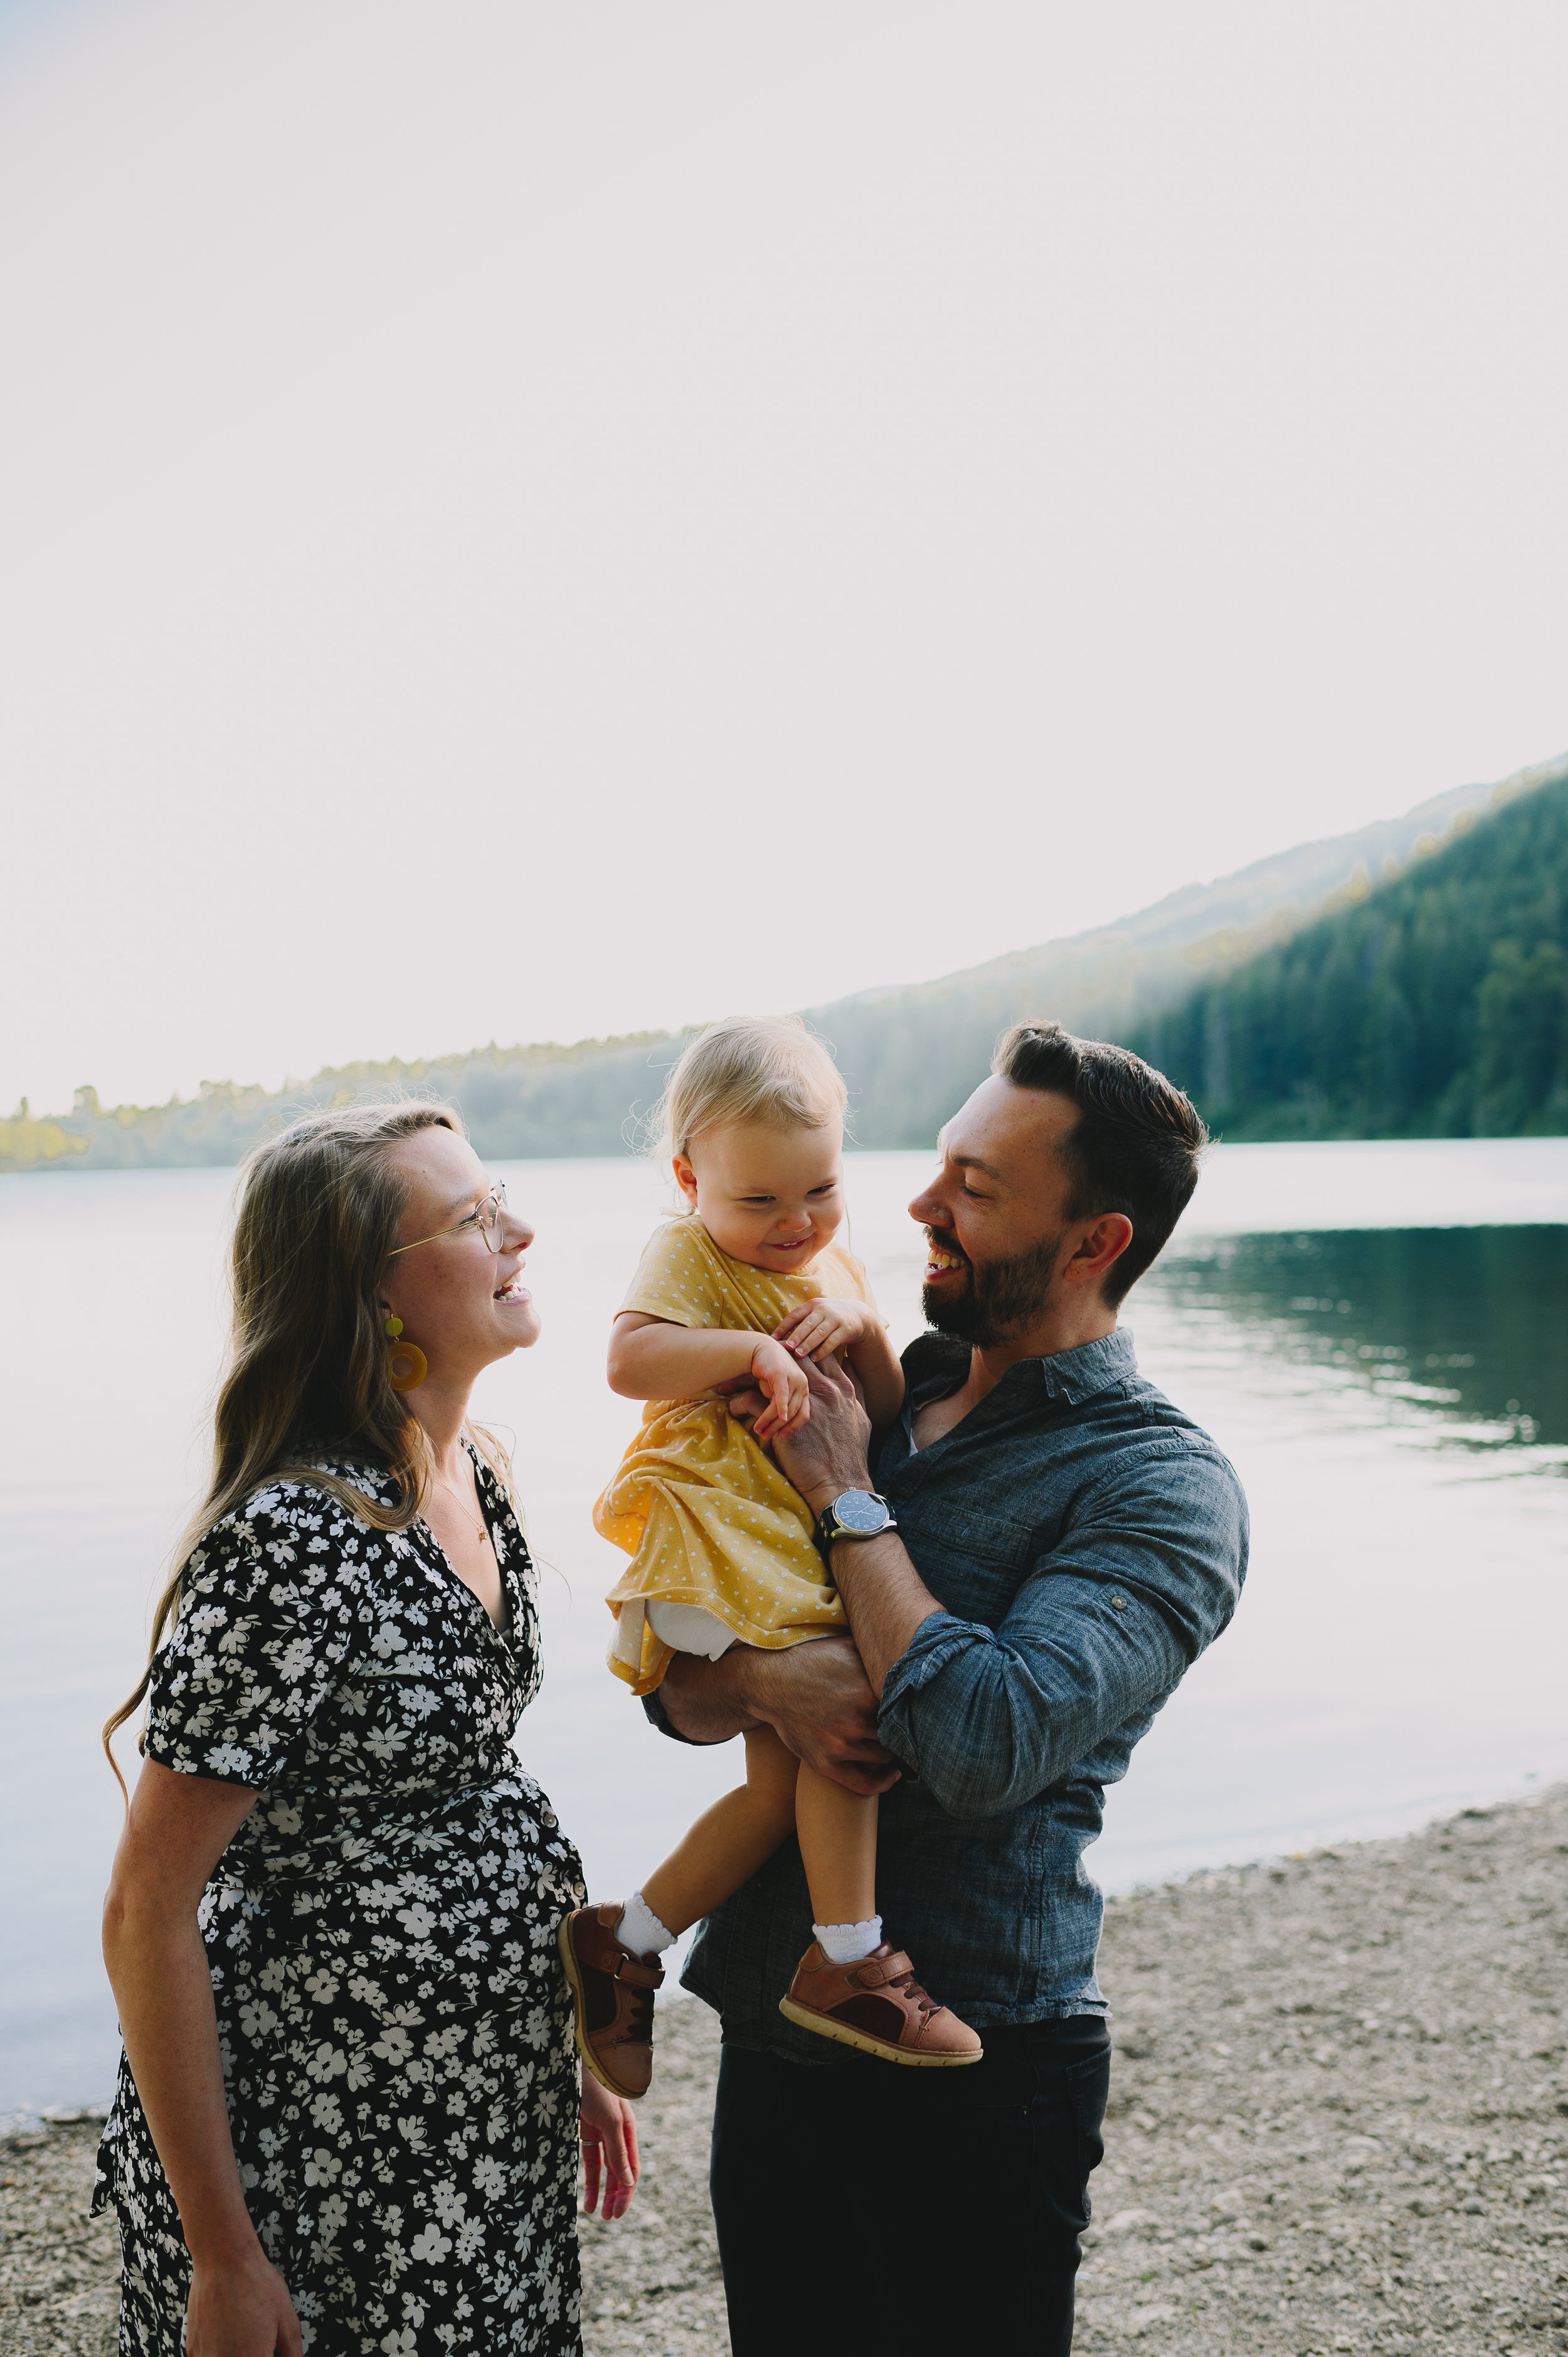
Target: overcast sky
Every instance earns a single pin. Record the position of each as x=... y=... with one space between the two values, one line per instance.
x=527 y=521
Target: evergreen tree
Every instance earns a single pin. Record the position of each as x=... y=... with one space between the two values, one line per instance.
x=1436 y=1007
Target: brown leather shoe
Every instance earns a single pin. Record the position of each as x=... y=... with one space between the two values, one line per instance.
x=612 y=1999
x=880 y=2007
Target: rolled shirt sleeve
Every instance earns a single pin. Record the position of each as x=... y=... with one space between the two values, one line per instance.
x=1146 y=1574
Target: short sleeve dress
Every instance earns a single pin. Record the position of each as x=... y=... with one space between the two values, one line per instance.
x=392 y=2016
x=705 y=1514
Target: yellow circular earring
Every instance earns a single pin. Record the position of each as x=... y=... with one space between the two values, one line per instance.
x=407 y=1365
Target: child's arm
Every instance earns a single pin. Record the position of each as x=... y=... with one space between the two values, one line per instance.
x=653 y=1358
x=854 y=1328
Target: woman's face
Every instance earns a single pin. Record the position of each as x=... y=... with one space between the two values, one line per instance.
x=464 y=1305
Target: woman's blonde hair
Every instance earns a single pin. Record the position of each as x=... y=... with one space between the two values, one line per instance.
x=765 y=1068
x=307 y=1367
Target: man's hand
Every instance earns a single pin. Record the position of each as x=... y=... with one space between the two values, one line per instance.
x=828 y=1454
x=814 y=1696
x=818 y=1700
x=885 y=1596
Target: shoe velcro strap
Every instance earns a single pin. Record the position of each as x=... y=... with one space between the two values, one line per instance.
x=878 y=1971
x=636 y=1974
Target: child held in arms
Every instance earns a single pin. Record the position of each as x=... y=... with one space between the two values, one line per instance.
x=738 y=1292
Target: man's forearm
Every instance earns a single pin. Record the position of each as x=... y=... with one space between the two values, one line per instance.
x=885 y=1596
x=708 y=1702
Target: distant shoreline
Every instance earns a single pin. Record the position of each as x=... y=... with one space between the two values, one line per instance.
x=1163 y=980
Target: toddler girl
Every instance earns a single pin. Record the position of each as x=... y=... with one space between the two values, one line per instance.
x=735 y=1295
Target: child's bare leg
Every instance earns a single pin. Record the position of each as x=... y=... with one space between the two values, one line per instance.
x=847 y=1986
x=730 y=1841
x=838 y=1847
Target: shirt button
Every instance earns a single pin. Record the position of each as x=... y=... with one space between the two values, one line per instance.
x=1119 y=1604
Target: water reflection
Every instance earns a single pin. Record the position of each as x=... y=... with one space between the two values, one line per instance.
x=1398 y=1651
x=1459 y=1330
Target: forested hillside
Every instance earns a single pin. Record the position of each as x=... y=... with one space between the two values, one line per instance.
x=1438 y=1007
x=909 y=1054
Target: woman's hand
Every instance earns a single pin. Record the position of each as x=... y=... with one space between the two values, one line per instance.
x=818 y=1326
x=781 y=1379
x=609 y=2151
x=240 y=2306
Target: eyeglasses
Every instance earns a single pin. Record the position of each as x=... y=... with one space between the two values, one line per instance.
x=486 y=1217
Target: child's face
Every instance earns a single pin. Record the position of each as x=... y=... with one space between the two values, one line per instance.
x=769 y=1197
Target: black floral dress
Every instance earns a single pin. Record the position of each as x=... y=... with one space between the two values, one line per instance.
x=393 y=2018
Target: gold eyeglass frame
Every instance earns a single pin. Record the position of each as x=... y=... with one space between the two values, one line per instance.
x=497 y=1195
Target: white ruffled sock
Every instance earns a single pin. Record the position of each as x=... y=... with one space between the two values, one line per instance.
x=640 y=1930
x=849 y=1943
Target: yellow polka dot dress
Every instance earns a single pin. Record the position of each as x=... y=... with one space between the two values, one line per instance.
x=705 y=1515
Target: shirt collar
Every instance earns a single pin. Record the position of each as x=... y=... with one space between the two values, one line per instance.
x=940 y=1363
x=1079 y=1374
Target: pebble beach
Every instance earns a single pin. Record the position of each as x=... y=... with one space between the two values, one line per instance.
x=1338 y=2122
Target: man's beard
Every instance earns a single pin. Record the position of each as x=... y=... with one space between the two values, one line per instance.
x=998 y=1299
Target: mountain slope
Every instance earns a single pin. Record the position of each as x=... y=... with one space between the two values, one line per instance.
x=910 y=1054
x=1436 y=1007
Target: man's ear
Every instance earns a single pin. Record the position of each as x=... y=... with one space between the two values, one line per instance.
x=1098 y=1246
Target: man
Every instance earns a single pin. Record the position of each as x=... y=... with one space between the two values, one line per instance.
x=1060 y=1543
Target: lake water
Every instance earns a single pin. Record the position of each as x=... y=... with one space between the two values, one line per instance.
x=1374 y=1333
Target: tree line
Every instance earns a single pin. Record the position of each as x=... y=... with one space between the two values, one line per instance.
x=1437 y=1007
x=1294 y=998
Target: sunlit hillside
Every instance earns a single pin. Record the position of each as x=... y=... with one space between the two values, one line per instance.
x=911 y=1054
x=1437 y=1007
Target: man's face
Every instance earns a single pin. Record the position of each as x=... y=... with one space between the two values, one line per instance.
x=996 y=1213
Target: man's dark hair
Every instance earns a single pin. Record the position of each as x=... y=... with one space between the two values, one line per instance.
x=1136 y=1146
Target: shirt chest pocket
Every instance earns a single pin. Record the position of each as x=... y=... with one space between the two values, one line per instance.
x=973 y=1562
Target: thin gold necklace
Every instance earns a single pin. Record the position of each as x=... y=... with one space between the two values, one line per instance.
x=480 y=1529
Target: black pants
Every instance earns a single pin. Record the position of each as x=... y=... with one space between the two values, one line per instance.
x=936 y=2210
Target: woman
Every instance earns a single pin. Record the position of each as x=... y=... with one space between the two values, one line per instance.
x=347 y=2117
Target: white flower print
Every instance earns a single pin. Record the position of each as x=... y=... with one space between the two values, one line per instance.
x=392 y=2014
x=328 y=2061
x=295 y=1659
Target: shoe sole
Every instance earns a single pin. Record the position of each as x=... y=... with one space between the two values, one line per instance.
x=590 y=2061
x=819 y=2023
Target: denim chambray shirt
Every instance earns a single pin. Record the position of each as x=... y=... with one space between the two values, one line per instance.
x=1087 y=1541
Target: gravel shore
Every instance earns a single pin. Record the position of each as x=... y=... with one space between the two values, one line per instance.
x=1338 y=2122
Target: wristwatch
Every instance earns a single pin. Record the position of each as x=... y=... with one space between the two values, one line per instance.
x=853 y=1515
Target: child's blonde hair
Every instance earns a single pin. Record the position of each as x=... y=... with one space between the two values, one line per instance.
x=747 y=1068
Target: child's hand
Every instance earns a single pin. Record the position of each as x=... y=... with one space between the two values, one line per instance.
x=819 y=1327
x=782 y=1380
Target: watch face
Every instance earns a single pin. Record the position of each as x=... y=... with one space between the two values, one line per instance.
x=857 y=1510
